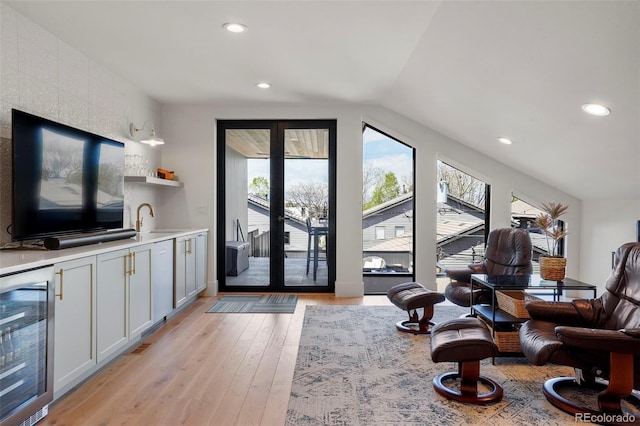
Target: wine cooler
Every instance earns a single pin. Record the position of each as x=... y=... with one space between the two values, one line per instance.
x=26 y=346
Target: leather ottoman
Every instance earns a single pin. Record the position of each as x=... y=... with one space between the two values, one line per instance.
x=411 y=297
x=465 y=341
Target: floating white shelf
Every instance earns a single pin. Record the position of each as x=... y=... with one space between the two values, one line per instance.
x=151 y=181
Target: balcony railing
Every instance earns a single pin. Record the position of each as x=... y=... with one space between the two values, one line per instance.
x=259 y=243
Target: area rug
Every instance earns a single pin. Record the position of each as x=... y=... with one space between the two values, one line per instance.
x=355 y=368
x=256 y=304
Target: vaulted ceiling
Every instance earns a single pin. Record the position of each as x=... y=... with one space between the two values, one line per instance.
x=472 y=70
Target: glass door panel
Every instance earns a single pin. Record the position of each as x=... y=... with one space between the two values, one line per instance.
x=306 y=206
x=247 y=207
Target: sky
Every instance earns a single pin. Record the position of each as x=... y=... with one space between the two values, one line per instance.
x=378 y=150
x=386 y=153
x=296 y=170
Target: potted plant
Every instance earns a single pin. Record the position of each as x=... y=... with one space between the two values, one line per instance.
x=552 y=265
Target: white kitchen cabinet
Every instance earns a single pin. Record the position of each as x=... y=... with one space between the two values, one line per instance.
x=75 y=320
x=112 y=312
x=105 y=299
x=190 y=267
x=201 y=262
x=162 y=275
x=124 y=297
x=185 y=269
x=140 y=290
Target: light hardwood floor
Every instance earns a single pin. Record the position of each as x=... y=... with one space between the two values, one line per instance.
x=199 y=369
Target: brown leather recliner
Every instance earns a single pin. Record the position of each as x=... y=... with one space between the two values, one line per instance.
x=508 y=252
x=599 y=337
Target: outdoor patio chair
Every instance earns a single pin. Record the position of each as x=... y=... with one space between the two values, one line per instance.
x=314 y=252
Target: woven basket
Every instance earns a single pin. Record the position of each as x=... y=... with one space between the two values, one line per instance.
x=512 y=302
x=507 y=341
x=553 y=268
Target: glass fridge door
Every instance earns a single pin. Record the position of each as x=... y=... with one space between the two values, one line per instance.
x=25 y=304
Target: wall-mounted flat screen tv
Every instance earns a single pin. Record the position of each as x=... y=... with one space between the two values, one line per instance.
x=65 y=180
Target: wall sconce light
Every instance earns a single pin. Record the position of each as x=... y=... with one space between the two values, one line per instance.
x=152 y=140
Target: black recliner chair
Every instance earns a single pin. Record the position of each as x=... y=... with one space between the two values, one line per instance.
x=599 y=338
x=508 y=252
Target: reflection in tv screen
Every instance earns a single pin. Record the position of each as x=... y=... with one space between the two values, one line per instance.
x=62 y=173
x=110 y=193
x=61 y=183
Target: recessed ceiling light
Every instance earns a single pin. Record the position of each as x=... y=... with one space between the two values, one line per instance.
x=595 y=109
x=505 y=141
x=233 y=27
x=263 y=85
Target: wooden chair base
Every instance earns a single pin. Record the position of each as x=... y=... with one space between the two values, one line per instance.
x=412 y=297
x=417 y=326
x=414 y=327
x=469 y=377
x=619 y=388
x=552 y=388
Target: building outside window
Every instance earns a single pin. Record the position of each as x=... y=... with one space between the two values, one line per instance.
x=462 y=203
x=523 y=216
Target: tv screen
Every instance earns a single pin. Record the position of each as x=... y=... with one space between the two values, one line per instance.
x=65 y=180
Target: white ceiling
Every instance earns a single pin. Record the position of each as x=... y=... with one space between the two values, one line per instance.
x=472 y=70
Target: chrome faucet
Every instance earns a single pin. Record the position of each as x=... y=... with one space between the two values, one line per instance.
x=138 y=219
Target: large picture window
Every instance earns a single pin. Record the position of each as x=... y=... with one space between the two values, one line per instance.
x=388 y=211
x=462 y=220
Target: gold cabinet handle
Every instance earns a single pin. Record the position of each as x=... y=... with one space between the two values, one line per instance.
x=61 y=273
x=188 y=241
x=127 y=264
x=133 y=256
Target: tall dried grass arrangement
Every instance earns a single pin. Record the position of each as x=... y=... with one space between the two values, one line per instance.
x=547 y=221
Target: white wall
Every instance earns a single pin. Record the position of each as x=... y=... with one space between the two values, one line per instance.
x=194 y=127
x=607 y=224
x=42 y=75
x=236 y=193
x=193 y=158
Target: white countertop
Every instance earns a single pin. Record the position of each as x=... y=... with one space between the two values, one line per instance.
x=22 y=259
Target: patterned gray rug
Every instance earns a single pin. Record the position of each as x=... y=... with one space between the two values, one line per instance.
x=354 y=368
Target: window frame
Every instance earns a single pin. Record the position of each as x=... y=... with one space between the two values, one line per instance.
x=371 y=286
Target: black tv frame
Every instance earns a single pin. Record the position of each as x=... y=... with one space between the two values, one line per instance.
x=39 y=224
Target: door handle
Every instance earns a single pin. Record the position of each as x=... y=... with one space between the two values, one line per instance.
x=281 y=218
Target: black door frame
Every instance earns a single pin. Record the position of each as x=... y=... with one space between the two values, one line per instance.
x=277 y=256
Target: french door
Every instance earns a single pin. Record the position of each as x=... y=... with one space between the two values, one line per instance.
x=275 y=204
